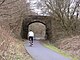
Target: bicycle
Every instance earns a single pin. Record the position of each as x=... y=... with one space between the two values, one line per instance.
x=31 y=43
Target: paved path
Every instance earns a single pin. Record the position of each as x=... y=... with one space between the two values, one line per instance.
x=38 y=52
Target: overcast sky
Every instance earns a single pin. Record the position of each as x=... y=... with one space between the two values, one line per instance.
x=33 y=5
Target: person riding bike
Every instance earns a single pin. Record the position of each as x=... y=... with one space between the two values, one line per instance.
x=31 y=36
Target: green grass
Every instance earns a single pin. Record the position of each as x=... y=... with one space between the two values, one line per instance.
x=52 y=47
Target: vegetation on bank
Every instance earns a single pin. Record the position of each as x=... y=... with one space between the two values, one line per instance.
x=52 y=47
x=11 y=48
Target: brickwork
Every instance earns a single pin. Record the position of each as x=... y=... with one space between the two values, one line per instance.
x=46 y=20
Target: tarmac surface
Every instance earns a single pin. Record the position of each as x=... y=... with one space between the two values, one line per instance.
x=39 y=52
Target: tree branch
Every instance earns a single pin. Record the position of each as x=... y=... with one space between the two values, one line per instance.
x=2 y=2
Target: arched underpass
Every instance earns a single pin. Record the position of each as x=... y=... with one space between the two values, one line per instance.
x=45 y=20
x=39 y=30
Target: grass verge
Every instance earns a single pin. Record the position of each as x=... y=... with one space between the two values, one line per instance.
x=52 y=47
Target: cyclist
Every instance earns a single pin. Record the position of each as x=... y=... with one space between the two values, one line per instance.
x=31 y=36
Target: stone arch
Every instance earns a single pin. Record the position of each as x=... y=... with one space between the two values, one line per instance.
x=37 y=34
x=36 y=21
x=45 y=20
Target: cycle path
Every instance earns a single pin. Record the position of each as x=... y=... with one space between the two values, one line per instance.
x=39 y=52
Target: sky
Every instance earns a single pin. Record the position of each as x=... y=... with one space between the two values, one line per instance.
x=33 y=6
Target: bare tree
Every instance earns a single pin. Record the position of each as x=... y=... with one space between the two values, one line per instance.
x=66 y=12
x=1 y=2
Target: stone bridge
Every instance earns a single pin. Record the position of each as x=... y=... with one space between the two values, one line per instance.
x=46 y=20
